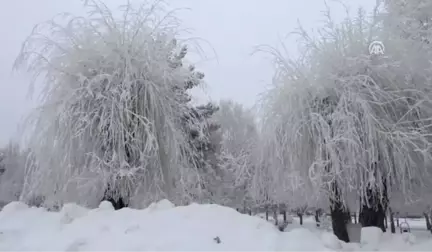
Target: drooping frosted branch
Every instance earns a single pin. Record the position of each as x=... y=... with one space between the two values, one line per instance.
x=111 y=107
x=340 y=115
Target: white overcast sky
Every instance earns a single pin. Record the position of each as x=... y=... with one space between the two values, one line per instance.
x=232 y=27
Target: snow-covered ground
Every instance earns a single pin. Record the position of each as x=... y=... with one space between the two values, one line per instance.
x=415 y=224
x=165 y=227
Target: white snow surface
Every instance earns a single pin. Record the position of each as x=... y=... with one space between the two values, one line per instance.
x=163 y=226
x=371 y=237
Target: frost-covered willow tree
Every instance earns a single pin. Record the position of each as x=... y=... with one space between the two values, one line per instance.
x=114 y=102
x=411 y=20
x=239 y=135
x=349 y=122
x=274 y=181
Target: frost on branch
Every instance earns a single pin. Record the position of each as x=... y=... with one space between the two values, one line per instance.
x=348 y=121
x=409 y=19
x=204 y=138
x=239 y=137
x=12 y=164
x=112 y=104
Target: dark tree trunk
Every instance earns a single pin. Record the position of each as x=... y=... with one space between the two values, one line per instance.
x=300 y=215
x=284 y=214
x=392 y=223
x=337 y=209
x=339 y=221
x=373 y=209
x=397 y=219
x=374 y=214
x=355 y=218
x=338 y=215
x=275 y=217
x=317 y=217
x=117 y=203
x=267 y=214
x=348 y=215
x=428 y=221
x=250 y=212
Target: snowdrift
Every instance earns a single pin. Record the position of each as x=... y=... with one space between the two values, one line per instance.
x=161 y=226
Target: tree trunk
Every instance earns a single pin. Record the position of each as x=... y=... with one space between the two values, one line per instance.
x=338 y=215
x=275 y=217
x=392 y=223
x=385 y=222
x=339 y=221
x=117 y=203
x=373 y=209
x=284 y=214
x=300 y=215
x=373 y=215
x=355 y=218
x=337 y=208
x=348 y=215
x=267 y=214
x=317 y=217
x=428 y=221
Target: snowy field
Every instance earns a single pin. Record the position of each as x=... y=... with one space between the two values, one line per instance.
x=165 y=227
x=417 y=224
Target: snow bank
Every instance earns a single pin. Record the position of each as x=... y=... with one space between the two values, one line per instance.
x=374 y=239
x=13 y=207
x=161 y=226
x=301 y=239
x=371 y=237
x=331 y=241
x=70 y=212
x=106 y=205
